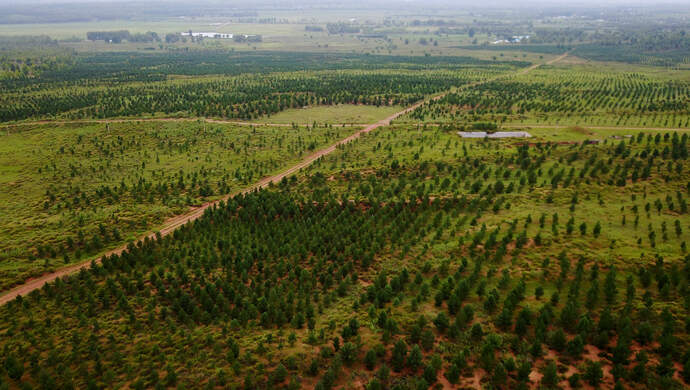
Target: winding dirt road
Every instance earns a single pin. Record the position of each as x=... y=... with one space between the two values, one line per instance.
x=592 y=127
x=170 y=225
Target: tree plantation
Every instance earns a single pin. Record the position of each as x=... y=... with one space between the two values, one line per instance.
x=90 y=187
x=240 y=98
x=89 y=89
x=571 y=95
x=408 y=284
x=363 y=195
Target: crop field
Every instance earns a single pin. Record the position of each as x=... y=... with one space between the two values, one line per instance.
x=295 y=206
x=289 y=36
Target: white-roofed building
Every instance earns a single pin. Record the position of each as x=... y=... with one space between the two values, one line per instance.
x=207 y=35
x=498 y=134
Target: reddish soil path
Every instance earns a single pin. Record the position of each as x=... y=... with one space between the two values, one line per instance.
x=170 y=225
x=527 y=126
x=592 y=127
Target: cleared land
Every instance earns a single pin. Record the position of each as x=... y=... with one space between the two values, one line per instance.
x=337 y=114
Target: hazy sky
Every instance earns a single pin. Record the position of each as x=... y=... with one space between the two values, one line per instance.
x=365 y=4
x=508 y=3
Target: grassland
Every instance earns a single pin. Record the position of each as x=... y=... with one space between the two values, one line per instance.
x=408 y=164
x=90 y=186
x=335 y=114
x=415 y=147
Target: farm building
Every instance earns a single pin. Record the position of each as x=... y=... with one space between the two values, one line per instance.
x=513 y=39
x=498 y=134
x=207 y=35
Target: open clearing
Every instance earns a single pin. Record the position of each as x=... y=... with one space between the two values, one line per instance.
x=336 y=114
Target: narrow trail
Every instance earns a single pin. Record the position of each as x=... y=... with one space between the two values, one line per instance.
x=594 y=127
x=527 y=126
x=173 y=223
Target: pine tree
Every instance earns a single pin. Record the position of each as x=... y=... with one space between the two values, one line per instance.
x=597 y=229
x=370 y=359
x=500 y=376
x=430 y=373
x=398 y=356
x=279 y=374
x=13 y=367
x=414 y=359
x=550 y=378
x=593 y=373
x=610 y=288
x=428 y=340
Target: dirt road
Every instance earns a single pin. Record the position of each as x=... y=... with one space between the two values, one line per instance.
x=170 y=225
x=593 y=127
